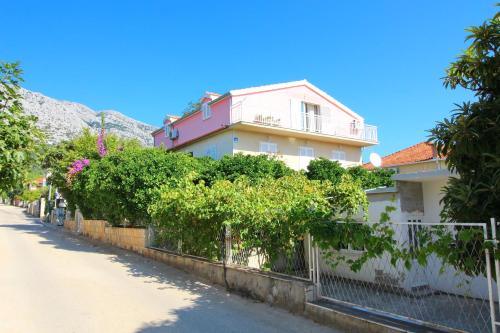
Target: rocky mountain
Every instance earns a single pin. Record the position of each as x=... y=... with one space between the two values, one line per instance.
x=64 y=120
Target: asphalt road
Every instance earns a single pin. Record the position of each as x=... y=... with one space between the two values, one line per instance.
x=53 y=282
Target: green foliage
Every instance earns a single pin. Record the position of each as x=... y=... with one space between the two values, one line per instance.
x=268 y=215
x=121 y=186
x=20 y=140
x=254 y=167
x=58 y=158
x=33 y=195
x=324 y=169
x=469 y=139
x=377 y=177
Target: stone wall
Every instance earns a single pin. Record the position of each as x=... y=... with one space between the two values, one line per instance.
x=94 y=229
x=286 y=292
x=70 y=225
x=127 y=238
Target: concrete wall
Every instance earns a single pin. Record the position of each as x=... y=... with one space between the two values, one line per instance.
x=419 y=167
x=432 y=196
x=222 y=142
x=411 y=197
x=288 y=147
x=288 y=293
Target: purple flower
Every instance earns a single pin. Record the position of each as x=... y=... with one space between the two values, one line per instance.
x=101 y=148
x=77 y=166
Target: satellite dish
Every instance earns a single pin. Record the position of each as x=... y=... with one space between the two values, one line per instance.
x=376 y=160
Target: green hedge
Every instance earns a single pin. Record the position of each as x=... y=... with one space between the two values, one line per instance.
x=324 y=169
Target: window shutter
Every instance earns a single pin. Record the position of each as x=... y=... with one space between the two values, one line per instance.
x=296 y=110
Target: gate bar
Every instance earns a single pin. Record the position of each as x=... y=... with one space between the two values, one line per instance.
x=490 y=286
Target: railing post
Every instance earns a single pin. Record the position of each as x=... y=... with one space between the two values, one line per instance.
x=490 y=283
x=495 y=260
x=227 y=243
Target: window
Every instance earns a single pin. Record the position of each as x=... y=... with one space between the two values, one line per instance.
x=338 y=155
x=268 y=148
x=311 y=119
x=168 y=128
x=211 y=152
x=306 y=155
x=206 y=111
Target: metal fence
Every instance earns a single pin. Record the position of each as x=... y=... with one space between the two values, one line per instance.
x=233 y=247
x=432 y=293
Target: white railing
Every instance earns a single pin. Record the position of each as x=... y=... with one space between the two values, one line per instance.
x=306 y=122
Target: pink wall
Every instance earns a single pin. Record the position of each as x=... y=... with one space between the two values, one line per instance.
x=193 y=126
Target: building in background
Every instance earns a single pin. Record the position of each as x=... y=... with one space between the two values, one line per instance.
x=420 y=176
x=294 y=121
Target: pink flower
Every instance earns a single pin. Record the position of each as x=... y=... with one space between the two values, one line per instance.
x=101 y=148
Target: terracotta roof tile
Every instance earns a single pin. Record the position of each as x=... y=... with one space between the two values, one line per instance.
x=422 y=151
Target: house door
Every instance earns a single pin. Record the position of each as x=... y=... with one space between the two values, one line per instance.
x=311 y=120
x=306 y=155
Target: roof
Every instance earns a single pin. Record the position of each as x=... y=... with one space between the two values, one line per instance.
x=259 y=89
x=423 y=151
x=269 y=87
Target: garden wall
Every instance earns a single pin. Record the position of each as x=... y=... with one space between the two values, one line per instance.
x=70 y=225
x=285 y=292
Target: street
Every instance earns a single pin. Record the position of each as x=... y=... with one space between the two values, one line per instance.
x=51 y=281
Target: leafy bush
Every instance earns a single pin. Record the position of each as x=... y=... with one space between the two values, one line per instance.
x=32 y=195
x=266 y=215
x=324 y=169
x=121 y=186
x=377 y=177
x=253 y=166
x=59 y=158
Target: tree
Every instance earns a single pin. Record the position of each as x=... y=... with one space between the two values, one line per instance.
x=20 y=139
x=324 y=169
x=191 y=108
x=470 y=138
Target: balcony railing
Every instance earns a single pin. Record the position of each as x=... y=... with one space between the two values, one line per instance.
x=306 y=122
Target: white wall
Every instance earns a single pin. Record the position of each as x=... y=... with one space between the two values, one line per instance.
x=222 y=142
x=432 y=196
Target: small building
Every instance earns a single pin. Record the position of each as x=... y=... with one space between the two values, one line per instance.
x=294 y=121
x=420 y=176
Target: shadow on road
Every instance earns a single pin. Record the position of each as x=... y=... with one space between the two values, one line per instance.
x=211 y=310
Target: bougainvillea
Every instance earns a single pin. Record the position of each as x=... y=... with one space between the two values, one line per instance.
x=101 y=147
x=76 y=167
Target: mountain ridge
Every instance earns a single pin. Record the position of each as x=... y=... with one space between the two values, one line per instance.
x=62 y=120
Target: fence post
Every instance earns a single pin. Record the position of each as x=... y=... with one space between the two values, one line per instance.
x=495 y=246
x=490 y=283
x=42 y=208
x=227 y=243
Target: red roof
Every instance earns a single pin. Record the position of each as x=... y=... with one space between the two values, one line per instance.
x=422 y=151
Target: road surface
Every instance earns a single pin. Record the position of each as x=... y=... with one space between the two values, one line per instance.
x=53 y=282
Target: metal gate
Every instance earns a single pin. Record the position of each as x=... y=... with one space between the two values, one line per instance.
x=463 y=296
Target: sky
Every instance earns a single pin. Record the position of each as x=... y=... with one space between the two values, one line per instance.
x=146 y=59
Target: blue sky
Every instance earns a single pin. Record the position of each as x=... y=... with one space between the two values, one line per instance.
x=383 y=59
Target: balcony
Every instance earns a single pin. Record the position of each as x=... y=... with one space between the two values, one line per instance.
x=305 y=123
